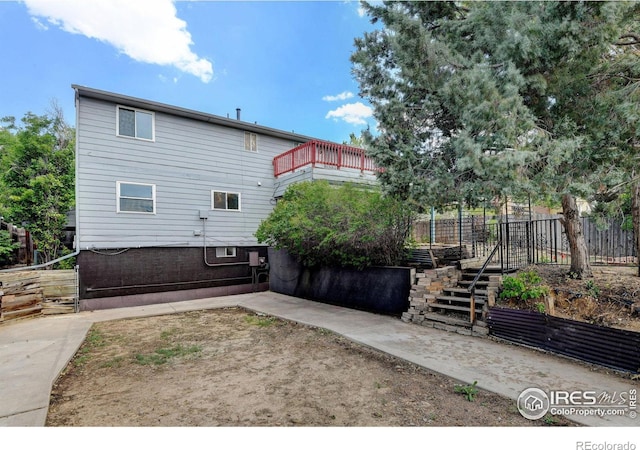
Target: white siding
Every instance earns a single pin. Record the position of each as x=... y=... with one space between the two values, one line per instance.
x=187 y=160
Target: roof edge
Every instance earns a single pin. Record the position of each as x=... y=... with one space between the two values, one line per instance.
x=83 y=91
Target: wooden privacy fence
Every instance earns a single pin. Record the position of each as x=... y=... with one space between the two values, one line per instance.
x=23 y=254
x=34 y=293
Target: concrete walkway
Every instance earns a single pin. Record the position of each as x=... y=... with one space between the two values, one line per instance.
x=33 y=352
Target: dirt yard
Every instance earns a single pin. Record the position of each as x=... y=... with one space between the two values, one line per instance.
x=232 y=367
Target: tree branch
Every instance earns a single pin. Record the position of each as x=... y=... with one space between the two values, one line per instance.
x=635 y=39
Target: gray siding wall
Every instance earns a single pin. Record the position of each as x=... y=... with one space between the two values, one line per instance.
x=187 y=160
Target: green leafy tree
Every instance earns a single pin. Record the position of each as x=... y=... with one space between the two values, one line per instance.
x=37 y=177
x=7 y=247
x=342 y=226
x=483 y=100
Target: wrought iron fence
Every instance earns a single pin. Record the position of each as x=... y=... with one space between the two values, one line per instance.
x=524 y=242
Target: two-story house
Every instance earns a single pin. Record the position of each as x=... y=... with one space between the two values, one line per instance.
x=168 y=199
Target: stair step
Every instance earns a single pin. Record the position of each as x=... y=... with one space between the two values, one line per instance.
x=449 y=298
x=436 y=317
x=489 y=269
x=450 y=307
x=478 y=283
x=462 y=290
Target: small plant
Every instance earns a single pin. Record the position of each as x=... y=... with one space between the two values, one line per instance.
x=324 y=332
x=163 y=355
x=540 y=307
x=93 y=340
x=592 y=288
x=524 y=286
x=166 y=334
x=550 y=420
x=260 y=321
x=115 y=362
x=469 y=390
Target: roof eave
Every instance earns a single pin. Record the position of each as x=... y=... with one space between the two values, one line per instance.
x=83 y=91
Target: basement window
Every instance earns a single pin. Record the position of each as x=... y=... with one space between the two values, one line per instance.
x=135 y=123
x=225 y=200
x=225 y=252
x=136 y=198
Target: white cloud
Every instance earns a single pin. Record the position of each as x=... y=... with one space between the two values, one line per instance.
x=353 y=113
x=342 y=96
x=39 y=25
x=145 y=30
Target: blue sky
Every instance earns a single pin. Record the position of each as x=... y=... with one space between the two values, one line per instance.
x=284 y=63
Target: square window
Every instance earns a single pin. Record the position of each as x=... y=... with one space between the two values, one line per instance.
x=136 y=198
x=225 y=200
x=225 y=252
x=135 y=123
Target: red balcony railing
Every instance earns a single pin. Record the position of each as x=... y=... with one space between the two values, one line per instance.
x=326 y=153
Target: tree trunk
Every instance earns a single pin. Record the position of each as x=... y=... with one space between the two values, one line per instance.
x=635 y=215
x=580 y=267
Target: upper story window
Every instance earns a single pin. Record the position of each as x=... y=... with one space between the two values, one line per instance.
x=225 y=200
x=250 y=142
x=135 y=123
x=136 y=197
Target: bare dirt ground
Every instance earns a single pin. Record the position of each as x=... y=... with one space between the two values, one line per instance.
x=610 y=298
x=232 y=367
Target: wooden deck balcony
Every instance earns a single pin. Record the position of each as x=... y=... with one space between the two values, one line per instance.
x=327 y=154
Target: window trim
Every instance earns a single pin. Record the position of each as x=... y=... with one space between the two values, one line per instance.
x=220 y=250
x=136 y=110
x=213 y=206
x=118 y=197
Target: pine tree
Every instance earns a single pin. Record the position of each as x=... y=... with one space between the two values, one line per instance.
x=478 y=100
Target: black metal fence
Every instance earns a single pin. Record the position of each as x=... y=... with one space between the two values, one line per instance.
x=524 y=242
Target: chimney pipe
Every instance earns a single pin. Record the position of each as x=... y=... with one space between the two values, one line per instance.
x=238 y=113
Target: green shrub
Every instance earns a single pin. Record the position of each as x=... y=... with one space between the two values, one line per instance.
x=344 y=226
x=7 y=247
x=523 y=286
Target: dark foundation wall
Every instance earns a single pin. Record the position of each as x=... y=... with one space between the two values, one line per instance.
x=143 y=271
x=383 y=290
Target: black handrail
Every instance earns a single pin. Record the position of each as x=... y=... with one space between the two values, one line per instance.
x=472 y=286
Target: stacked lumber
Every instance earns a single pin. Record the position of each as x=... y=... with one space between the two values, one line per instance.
x=59 y=288
x=20 y=296
x=31 y=293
